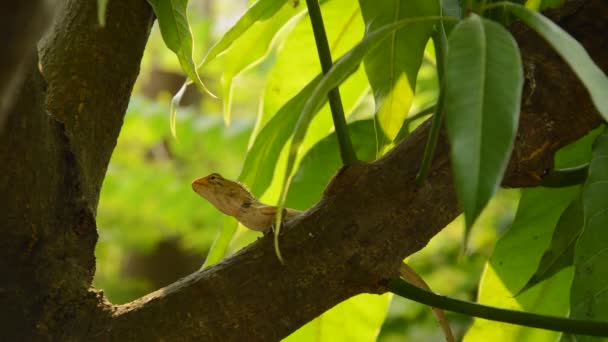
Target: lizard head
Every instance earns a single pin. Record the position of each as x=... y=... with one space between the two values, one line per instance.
x=224 y=194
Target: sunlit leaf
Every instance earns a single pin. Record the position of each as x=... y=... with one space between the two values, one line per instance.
x=589 y=295
x=484 y=79
x=248 y=42
x=337 y=74
x=102 y=5
x=594 y=79
x=323 y=160
x=392 y=66
x=290 y=77
x=175 y=29
x=356 y=319
x=507 y=271
x=260 y=10
x=296 y=61
x=560 y=253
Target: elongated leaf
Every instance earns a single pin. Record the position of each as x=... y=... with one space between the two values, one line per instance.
x=512 y=263
x=175 y=29
x=251 y=47
x=222 y=241
x=560 y=253
x=484 y=79
x=507 y=272
x=293 y=69
x=594 y=79
x=263 y=155
x=337 y=74
x=589 y=293
x=393 y=65
x=253 y=32
x=261 y=10
x=102 y=5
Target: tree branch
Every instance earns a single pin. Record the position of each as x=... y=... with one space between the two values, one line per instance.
x=55 y=147
x=370 y=217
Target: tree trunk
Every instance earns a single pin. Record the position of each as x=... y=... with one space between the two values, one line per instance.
x=56 y=144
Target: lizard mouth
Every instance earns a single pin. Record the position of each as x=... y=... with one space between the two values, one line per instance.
x=198 y=184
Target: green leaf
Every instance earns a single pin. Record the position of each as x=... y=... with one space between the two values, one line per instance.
x=507 y=272
x=222 y=241
x=571 y=51
x=249 y=42
x=102 y=5
x=514 y=261
x=560 y=253
x=260 y=11
x=589 y=295
x=323 y=159
x=175 y=29
x=484 y=80
x=262 y=157
x=392 y=66
x=337 y=74
x=356 y=319
x=293 y=69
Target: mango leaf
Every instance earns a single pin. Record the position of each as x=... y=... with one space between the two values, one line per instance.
x=560 y=253
x=175 y=29
x=253 y=32
x=102 y=5
x=506 y=272
x=323 y=160
x=336 y=75
x=589 y=295
x=393 y=65
x=356 y=319
x=292 y=69
x=484 y=80
x=261 y=10
x=251 y=46
x=594 y=79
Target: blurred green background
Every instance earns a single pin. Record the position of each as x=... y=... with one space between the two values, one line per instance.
x=154 y=229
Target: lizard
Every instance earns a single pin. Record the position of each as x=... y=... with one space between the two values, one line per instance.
x=234 y=199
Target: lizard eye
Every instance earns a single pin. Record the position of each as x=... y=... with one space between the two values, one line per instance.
x=212 y=177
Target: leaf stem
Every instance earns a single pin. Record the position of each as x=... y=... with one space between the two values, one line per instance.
x=347 y=153
x=440 y=43
x=574 y=326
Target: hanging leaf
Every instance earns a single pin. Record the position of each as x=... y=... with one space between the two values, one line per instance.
x=506 y=272
x=484 y=80
x=341 y=70
x=588 y=296
x=175 y=29
x=560 y=253
x=594 y=79
x=392 y=66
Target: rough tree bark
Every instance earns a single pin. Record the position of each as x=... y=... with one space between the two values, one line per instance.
x=57 y=142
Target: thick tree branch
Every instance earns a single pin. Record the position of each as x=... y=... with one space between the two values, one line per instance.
x=54 y=149
x=370 y=217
